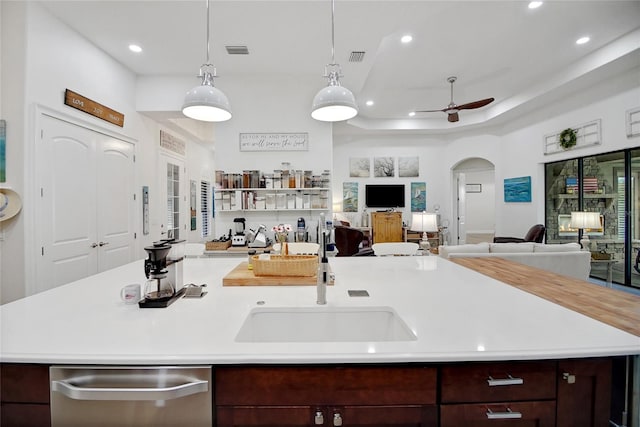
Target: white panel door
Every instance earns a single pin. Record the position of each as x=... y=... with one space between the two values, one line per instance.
x=115 y=202
x=85 y=210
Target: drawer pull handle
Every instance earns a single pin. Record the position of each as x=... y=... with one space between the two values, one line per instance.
x=509 y=414
x=504 y=381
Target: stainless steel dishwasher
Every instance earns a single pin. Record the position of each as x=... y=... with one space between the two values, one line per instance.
x=131 y=396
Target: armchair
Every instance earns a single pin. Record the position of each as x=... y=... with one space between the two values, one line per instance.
x=535 y=234
x=348 y=241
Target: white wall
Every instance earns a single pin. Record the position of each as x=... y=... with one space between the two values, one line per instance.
x=431 y=169
x=270 y=104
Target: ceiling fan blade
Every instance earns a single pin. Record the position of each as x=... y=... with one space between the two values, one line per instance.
x=476 y=104
x=431 y=111
x=453 y=117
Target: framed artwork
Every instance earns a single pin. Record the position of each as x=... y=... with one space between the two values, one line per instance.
x=359 y=167
x=517 y=190
x=3 y=151
x=418 y=196
x=383 y=167
x=350 y=197
x=408 y=166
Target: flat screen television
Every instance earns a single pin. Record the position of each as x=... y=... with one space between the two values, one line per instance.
x=384 y=196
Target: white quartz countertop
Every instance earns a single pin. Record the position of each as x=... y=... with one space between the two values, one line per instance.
x=456 y=314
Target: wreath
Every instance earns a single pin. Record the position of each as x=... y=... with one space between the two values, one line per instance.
x=567 y=138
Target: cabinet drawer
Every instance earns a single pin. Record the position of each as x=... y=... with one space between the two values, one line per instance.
x=498 y=382
x=521 y=414
x=325 y=386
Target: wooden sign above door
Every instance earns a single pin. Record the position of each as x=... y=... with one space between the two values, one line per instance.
x=89 y=106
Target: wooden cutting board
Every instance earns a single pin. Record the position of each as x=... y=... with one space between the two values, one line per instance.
x=242 y=276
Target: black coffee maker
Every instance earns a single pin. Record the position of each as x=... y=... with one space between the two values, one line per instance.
x=157 y=286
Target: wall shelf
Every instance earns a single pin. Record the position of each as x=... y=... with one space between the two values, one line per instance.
x=272 y=199
x=560 y=198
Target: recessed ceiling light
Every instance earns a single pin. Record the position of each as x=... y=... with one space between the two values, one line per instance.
x=135 y=48
x=369 y=103
x=583 y=40
x=406 y=38
x=411 y=114
x=535 y=4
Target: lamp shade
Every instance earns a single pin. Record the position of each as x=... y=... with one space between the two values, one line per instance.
x=207 y=103
x=334 y=103
x=424 y=222
x=582 y=220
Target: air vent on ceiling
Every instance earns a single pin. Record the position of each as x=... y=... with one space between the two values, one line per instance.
x=237 y=50
x=356 y=56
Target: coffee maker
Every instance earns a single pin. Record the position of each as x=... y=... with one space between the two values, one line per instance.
x=163 y=269
x=239 y=239
x=157 y=286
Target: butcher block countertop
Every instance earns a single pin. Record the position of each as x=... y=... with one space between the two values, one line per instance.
x=457 y=315
x=616 y=308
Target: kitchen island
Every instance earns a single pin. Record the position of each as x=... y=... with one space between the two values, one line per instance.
x=459 y=318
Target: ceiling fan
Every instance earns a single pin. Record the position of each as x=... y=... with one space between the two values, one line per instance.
x=452 y=109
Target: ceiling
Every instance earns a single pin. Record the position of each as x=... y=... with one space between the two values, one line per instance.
x=522 y=57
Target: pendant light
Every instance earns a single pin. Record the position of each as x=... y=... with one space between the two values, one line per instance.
x=206 y=102
x=333 y=103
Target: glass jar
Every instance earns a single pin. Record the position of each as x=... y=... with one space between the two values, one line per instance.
x=246 y=179
x=268 y=180
x=277 y=178
x=308 y=179
x=299 y=179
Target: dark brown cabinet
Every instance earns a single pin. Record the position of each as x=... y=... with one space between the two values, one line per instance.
x=24 y=395
x=554 y=393
x=328 y=396
x=512 y=393
x=584 y=392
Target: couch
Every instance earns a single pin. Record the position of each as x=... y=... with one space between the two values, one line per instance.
x=566 y=259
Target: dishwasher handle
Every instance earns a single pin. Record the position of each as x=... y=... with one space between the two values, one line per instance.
x=129 y=393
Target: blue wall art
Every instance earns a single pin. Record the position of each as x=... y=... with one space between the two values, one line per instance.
x=517 y=189
x=3 y=151
x=350 y=197
x=418 y=196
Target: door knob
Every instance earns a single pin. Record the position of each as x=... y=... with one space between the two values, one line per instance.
x=94 y=245
x=103 y=244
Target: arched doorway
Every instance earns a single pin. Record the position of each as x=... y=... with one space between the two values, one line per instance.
x=474 y=202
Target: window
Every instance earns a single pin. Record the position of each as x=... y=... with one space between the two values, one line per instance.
x=173 y=201
x=605 y=183
x=205 y=210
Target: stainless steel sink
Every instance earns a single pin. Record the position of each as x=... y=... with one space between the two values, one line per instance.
x=324 y=324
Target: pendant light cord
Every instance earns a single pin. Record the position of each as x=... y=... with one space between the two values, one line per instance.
x=208 y=62
x=333 y=41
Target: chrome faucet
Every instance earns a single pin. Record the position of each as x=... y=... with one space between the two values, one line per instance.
x=323 y=270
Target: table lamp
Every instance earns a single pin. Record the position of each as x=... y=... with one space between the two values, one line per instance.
x=582 y=220
x=426 y=223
